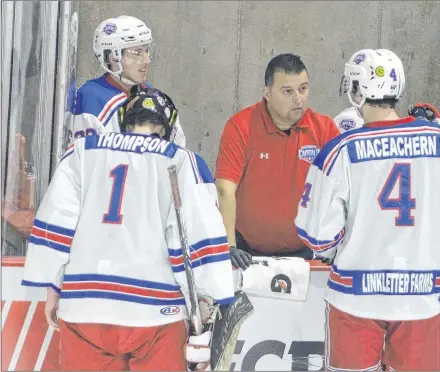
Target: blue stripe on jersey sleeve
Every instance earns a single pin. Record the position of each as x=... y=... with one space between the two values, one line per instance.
x=203 y=169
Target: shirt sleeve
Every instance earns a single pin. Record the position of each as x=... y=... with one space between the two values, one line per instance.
x=332 y=132
x=231 y=159
x=322 y=209
x=206 y=235
x=54 y=226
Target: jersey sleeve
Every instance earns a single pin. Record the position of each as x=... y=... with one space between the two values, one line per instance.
x=347 y=120
x=231 y=159
x=54 y=226
x=85 y=119
x=322 y=209
x=211 y=261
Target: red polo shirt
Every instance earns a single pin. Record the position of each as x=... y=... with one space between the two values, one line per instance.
x=270 y=168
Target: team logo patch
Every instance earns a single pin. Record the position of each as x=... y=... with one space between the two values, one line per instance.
x=308 y=153
x=110 y=28
x=148 y=103
x=380 y=71
x=347 y=124
x=359 y=58
x=170 y=310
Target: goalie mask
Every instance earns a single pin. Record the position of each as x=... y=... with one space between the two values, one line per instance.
x=373 y=75
x=148 y=104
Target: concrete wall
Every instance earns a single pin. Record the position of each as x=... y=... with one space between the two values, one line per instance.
x=211 y=56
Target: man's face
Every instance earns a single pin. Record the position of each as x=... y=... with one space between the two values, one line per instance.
x=135 y=63
x=287 y=97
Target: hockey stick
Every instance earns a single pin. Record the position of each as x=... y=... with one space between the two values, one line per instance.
x=195 y=317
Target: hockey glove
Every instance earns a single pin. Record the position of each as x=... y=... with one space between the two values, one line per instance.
x=240 y=259
x=424 y=110
x=325 y=260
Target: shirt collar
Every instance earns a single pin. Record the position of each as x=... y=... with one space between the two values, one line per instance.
x=390 y=123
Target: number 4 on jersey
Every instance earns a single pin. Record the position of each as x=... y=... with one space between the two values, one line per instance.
x=119 y=175
x=305 y=198
x=401 y=173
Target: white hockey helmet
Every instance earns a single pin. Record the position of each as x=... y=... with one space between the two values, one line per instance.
x=379 y=75
x=115 y=34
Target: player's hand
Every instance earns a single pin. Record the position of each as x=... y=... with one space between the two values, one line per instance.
x=51 y=308
x=424 y=110
x=240 y=258
x=207 y=309
x=325 y=260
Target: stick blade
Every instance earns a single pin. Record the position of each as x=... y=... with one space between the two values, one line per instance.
x=227 y=329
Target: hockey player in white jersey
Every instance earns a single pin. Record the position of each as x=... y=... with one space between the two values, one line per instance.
x=123 y=47
x=351 y=118
x=106 y=244
x=371 y=203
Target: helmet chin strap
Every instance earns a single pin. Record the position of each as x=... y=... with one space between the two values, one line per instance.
x=118 y=75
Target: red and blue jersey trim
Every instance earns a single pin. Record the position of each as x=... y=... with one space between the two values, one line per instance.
x=120 y=288
x=52 y=236
x=202 y=253
x=320 y=245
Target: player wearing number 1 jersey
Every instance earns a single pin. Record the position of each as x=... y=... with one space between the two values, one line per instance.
x=106 y=244
x=371 y=203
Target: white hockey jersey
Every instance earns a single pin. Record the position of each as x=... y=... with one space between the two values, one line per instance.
x=96 y=110
x=348 y=119
x=106 y=235
x=371 y=197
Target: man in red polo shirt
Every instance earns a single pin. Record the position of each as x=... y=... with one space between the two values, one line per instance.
x=264 y=156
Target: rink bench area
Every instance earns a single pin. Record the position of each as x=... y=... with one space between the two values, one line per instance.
x=279 y=336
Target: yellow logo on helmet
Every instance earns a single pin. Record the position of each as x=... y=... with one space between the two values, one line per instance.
x=380 y=71
x=148 y=103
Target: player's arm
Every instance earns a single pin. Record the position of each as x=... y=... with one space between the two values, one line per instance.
x=85 y=119
x=321 y=215
x=231 y=161
x=206 y=234
x=54 y=226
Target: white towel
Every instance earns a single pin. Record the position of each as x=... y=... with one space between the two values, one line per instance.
x=284 y=278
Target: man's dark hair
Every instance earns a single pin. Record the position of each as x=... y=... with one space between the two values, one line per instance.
x=288 y=63
x=383 y=103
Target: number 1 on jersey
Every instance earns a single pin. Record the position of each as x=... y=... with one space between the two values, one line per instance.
x=401 y=173
x=114 y=215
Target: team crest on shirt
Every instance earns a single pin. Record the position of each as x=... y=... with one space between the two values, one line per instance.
x=347 y=124
x=308 y=153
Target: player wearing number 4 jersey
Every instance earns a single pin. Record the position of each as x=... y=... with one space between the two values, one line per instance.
x=106 y=244
x=371 y=203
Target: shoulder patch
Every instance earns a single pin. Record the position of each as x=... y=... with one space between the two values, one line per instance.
x=347 y=124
